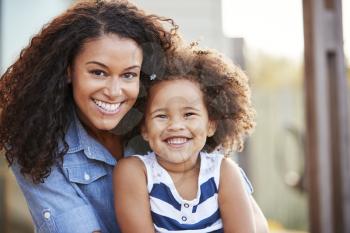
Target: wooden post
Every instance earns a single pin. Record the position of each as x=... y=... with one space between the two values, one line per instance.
x=327 y=136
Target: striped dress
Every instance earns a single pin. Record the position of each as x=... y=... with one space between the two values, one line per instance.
x=170 y=212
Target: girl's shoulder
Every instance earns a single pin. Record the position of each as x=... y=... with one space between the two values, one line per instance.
x=229 y=166
x=211 y=160
x=128 y=164
x=217 y=155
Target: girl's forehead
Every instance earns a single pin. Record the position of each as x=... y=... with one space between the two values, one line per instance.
x=179 y=91
x=175 y=87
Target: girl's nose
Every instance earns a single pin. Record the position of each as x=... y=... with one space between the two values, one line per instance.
x=176 y=124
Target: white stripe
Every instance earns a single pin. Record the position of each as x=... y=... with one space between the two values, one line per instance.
x=207 y=208
x=216 y=226
x=163 y=208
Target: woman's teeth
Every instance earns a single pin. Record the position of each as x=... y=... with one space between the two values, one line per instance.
x=107 y=106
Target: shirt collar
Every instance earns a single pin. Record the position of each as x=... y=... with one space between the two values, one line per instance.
x=78 y=139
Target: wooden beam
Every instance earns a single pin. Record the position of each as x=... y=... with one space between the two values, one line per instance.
x=327 y=137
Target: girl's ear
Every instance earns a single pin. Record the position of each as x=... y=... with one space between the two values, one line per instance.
x=144 y=133
x=211 y=128
x=69 y=75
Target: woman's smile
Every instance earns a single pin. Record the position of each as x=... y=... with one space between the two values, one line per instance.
x=108 y=108
x=105 y=79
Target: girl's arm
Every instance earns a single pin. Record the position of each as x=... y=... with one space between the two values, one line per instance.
x=131 y=199
x=234 y=202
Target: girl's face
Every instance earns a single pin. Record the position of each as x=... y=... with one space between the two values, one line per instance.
x=176 y=122
x=105 y=77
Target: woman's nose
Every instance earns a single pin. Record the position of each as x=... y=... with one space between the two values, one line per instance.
x=113 y=87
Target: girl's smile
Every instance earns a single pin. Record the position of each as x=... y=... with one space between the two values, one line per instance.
x=177 y=124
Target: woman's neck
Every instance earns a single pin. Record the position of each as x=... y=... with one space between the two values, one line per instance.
x=113 y=143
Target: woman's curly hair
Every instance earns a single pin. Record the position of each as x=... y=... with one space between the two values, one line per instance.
x=225 y=90
x=35 y=99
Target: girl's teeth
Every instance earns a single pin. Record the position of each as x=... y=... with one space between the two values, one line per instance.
x=106 y=106
x=177 y=140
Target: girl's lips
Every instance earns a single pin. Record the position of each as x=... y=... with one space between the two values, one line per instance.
x=176 y=140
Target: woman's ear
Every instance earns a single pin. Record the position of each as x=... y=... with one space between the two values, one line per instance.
x=144 y=132
x=211 y=128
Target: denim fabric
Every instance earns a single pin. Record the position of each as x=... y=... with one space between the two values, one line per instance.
x=77 y=196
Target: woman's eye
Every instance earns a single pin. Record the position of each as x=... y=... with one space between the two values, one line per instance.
x=98 y=73
x=129 y=76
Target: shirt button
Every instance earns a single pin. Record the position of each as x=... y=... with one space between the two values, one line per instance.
x=47 y=214
x=186 y=205
x=184 y=218
x=86 y=177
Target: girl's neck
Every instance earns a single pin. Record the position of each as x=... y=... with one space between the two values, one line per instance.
x=180 y=168
x=185 y=178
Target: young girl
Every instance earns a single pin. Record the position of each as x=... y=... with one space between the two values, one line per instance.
x=200 y=104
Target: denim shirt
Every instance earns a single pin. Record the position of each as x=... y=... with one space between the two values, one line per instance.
x=77 y=196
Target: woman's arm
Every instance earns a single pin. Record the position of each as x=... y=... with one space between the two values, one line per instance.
x=55 y=205
x=234 y=202
x=261 y=225
x=131 y=199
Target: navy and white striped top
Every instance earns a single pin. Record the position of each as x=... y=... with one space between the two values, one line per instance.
x=170 y=212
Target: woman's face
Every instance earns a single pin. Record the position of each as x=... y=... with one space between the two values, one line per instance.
x=105 y=77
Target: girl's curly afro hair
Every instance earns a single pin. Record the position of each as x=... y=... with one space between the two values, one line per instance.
x=225 y=90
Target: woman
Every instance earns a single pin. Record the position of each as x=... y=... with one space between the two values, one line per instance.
x=74 y=83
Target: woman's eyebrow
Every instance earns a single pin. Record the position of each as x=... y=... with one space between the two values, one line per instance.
x=103 y=65
x=133 y=67
x=97 y=63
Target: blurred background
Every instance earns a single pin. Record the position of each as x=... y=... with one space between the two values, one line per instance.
x=266 y=39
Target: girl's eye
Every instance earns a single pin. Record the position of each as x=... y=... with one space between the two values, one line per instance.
x=129 y=76
x=189 y=114
x=161 y=116
x=98 y=73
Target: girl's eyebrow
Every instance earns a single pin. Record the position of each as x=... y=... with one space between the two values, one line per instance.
x=157 y=110
x=192 y=108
